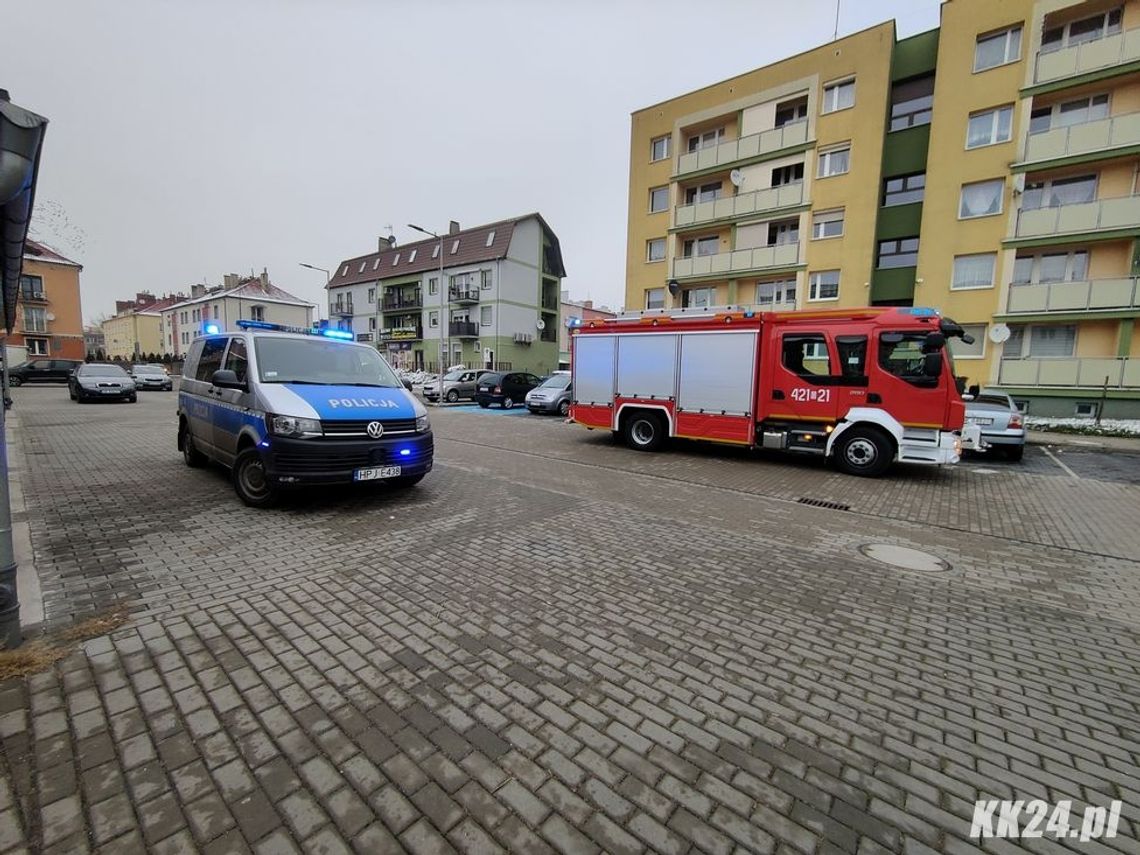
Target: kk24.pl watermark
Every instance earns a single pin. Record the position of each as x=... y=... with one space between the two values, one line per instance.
x=994 y=818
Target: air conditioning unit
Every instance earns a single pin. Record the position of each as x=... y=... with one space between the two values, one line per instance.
x=523 y=338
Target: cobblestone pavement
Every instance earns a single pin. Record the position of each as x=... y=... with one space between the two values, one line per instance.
x=554 y=643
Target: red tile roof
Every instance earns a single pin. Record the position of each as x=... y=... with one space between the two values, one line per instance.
x=35 y=251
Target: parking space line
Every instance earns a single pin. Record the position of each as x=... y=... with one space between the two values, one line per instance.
x=1053 y=457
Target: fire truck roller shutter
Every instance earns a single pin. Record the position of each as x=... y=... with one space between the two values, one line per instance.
x=594 y=369
x=717 y=372
x=647 y=366
x=866 y=416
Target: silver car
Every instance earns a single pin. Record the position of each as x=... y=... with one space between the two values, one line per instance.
x=1001 y=423
x=456 y=384
x=552 y=396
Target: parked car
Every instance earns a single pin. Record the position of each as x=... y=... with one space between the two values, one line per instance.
x=456 y=385
x=43 y=371
x=1002 y=425
x=100 y=381
x=552 y=395
x=505 y=388
x=152 y=377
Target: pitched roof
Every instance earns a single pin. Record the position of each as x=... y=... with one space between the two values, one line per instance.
x=472 y=248
x=251 y=289
x=36 y=251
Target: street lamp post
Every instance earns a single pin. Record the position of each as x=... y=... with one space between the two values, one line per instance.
x=328 y=279
x=442 y=302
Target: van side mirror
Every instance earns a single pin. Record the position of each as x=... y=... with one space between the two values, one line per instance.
x=224 y=378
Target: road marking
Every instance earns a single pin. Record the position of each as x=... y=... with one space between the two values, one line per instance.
x=1053 y=457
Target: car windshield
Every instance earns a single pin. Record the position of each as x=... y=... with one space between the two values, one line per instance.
x=996 y=400
x=558 y=381
x=321 y=361
x=148 y=369
x=101 y=371
x=453 y=375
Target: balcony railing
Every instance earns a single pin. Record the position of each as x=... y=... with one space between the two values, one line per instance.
x=342 y=309
x=405 y=333
x=752 y=145
x=33 y=297
x=463 y=295
x=756 y=202
x=1088 y=372
x=1100 y=214
x=402 y=302
x=1090 y=137
x=1090 y=56
x=1086 y=296
x=464 y=329
x=783 y=255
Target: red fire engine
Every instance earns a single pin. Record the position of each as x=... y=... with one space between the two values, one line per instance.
x=864 y=387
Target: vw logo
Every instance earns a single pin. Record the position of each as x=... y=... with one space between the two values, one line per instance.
x=375 y=430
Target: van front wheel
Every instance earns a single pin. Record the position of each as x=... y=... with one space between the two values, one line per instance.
x=251 y=482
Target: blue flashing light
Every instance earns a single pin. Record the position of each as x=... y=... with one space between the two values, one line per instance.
x=212 y=329
x=919 y=311
x=259 y=325
x=341 y=334
x=405 y=452
x=263 y=444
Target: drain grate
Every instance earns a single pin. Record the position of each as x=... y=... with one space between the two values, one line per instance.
x=821 y=503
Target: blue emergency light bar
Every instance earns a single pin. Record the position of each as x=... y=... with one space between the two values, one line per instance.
x=344 y=335
x=919 y=311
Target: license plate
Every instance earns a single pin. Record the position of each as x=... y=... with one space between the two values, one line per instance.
x=375 y=473
x=110 y=391
x=978 y=421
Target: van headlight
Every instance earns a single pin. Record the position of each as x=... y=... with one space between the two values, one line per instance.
x=294 y=426
x=422 y=423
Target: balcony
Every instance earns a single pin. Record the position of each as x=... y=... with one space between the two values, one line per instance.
x=1098 y=215
x=754 y=145
x=1119 y=49
x=1090 y=138
x=406 y=333
x=342 y=309
x=402 y=302
x=38 y=298
x=1089 y=296
x=1087 y=372
x=463 y=329
x=738 y=261
x=463 y=295
x=756 y=202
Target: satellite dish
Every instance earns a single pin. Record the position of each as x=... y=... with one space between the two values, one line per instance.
x=736 y=177
x=540 y=324
x=999 y=333
x=50 y=316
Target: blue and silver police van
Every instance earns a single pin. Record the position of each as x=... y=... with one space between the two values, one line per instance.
x=286 y=408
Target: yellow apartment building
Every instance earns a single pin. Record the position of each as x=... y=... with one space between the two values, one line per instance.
x=987 y=168
x=133 y=334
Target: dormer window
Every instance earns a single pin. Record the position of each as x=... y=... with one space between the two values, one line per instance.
x=490 y=237
x=363 y=264
x=344 y=270
x=396 y=260
x=376 y=263
x=435 y=251
x=412 y=256
x=455 y=246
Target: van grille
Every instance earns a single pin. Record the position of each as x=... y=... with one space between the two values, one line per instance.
x=319 y=460
x=359 y=427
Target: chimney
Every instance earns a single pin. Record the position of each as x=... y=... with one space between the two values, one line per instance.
x=264 y=277
x=453 y=228
x=587 y=304
x=230 y=280
x=197 y=291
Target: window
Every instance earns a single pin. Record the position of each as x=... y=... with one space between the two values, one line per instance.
x=998 y=48
x=1040 y=342
x=776 y=293
x=236 y=359
x=433 y=319
x=904 y=190
x=981 y=199
x=1046 y=267
x=211 y=358
x=484 y=280
x=659 y=148
x=197 y=315
x=827 y=224
x=701 y=246
x=973 y=271
x=960 y=350
x=37 y=346
x=898 y=252
x=31 y=287
x=655 y=298
x=371 y=295
x=1058 y=191
x=912 y=102
x=372 y=323
x=834 y=161
x=412 y=256
x=789 y=112
x=35 y=320
x=824 y=285
x=433 y=285
x=655 y=249
x=485 y=317
x=706 y=139
x=1080 y=31
x=791 y=174
x=435 y=251
x=396 y=259
x=455 y=246
x=704 y=193
x=852 y=351
x=490 y=238
x=362 y=266
x=257 y=313
x=989 y=127
x=1067 y=113
x=344 y=270
x=698 y=298
x=215 y=311
x=805 y=354
x=784 y=232
x=658 y=199
x=839 y=96
x=1085 y=409
x=901 y=354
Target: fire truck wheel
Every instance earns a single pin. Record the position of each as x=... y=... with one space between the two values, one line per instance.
x=864 y=451
x=643 y=431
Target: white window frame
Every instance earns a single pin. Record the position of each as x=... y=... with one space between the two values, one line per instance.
x=705 y=139
x=715 y=189
x=954 y=286
x=1067 y=27
x=979 y=332
x=433 y=285
x=412 y=255
x=485 y=280
x=363 y=264
x=1070 y=264
x=455 y=246
x=38 y=346
x=486 y=316
x=781 y=287
x=814 y=283
x=652 y=191
x=371 y=295
x=1087 y=102
x=1001 y=199
x=1025 y=343
x=696 y=242
x=666 y=142
x=1046 y=188
x=1007 y=34
x=708 y=291
x=825 y=218
x=823 y=169
x=653 y=292
x=995 y=126
x=433 y=319
x=832 y=92
x=649 y=244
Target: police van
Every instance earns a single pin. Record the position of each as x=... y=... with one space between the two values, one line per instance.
x=286 y=408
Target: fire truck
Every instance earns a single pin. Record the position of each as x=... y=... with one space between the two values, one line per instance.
x=862 y=387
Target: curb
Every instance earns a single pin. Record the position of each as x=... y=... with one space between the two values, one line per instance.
x=27 y=578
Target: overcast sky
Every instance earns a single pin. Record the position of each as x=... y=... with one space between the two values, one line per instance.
x=195 y=138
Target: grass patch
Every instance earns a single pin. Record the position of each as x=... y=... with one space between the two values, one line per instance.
x=42 y=653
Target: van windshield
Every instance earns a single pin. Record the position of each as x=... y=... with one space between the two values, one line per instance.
x=321 y=361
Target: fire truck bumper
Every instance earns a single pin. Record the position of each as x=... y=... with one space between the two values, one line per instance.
x=972 y=438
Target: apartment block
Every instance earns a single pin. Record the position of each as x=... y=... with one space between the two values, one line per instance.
x=50 y=317
x=495 y=288
x=135 y=331
x=987 y=168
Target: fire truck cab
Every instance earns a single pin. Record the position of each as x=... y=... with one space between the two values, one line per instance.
x=863 y=387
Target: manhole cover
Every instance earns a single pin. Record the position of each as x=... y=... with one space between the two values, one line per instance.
x=904 y=557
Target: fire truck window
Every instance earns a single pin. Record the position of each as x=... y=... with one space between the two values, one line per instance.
x=806 y=355
x=901 y=354
x=852 y=351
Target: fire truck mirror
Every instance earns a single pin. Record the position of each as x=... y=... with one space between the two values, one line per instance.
x=932 y=365
x=933 y=342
